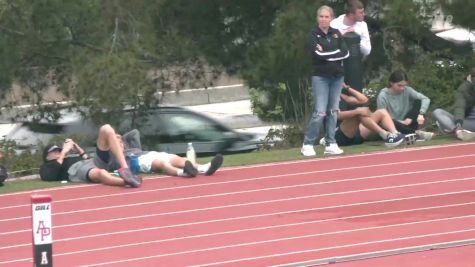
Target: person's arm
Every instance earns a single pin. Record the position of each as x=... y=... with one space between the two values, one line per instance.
x=365 y=42
x=68 y=146
x=338 y=53
x=425 y=102
x=460 y=104
x=81 y=151
x=132 y=139
x=353 y=97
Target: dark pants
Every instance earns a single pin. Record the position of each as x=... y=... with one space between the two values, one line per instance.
x=412 y=114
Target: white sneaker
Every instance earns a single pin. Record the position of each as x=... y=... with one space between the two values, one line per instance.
x=424 y=136
x=333 y=149
x=465 y=135
x=322 y=141
x=308 y=151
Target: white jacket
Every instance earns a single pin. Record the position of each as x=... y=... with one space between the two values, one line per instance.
x=360 y=28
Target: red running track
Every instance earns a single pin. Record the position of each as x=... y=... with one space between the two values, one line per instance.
x=391 y=207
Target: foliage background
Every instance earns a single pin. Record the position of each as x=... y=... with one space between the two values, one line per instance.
x=108 y=54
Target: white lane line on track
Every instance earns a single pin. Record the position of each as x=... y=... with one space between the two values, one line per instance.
x=339 y=247
x=250 y=216
x=271 y=241
x=302 y=237
x=303 y=161
x=248 y=229
x=254 y=191
x=121 y=194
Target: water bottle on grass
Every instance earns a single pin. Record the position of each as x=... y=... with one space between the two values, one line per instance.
x=190 y=153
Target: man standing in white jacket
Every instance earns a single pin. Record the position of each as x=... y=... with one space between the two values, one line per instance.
x=353 y=21
x=355 y=32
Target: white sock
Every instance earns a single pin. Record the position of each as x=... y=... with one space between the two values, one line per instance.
x=384 y=134
x=202 y=168
x=180 y=172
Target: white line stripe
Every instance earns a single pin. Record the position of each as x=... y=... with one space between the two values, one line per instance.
x=266 y=241
x=260 y=178
x=278 y=239
x=56 y=241
x=344 y=246
x=294 y=238
x=344 y=157
x=383 y=253
x=245 y=192
x=249 y=216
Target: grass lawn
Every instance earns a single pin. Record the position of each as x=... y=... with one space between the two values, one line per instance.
x=257 y=157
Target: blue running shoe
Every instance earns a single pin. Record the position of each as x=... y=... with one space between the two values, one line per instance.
x=394 y=140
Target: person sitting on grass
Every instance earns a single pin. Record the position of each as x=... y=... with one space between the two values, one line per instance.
x=358 y=124
x=171 y=164
x=462 y=122
x=406 y=106
x=60 y=163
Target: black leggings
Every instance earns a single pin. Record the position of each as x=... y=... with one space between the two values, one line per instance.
x=412 y=114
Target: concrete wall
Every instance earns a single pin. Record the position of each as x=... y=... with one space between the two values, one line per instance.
x=201 y=96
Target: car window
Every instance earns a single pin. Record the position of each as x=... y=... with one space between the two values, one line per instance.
x=190 y=127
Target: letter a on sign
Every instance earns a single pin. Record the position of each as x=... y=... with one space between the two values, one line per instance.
x=44 y=258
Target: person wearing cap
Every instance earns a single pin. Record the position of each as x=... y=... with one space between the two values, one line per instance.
x=171 y=164
x=462 y=121
x=59 y=163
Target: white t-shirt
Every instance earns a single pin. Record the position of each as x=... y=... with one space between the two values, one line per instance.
x=360 y=28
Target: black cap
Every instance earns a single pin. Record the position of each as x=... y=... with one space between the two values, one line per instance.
x=48 y=149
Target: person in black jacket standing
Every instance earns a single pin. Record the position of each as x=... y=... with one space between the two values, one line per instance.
x=328 y=49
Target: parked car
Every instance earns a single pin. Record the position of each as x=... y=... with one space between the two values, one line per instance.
x=164 y=128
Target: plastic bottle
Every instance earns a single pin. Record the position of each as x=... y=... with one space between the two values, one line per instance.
x=134 y=164
x=190 y=153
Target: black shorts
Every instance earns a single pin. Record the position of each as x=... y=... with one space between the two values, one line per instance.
x=343 y=140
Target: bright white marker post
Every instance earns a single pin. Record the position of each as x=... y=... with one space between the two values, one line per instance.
x=42 y=230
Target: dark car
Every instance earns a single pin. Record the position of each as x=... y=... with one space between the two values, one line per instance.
x=164 y=128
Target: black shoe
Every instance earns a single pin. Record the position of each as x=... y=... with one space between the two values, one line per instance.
x=216 y=162
x=190 y=169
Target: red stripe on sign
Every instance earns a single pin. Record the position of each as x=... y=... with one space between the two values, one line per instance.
x=35 y=199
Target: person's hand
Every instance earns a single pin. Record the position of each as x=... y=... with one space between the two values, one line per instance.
x=319 y=47
x=68 y=145
x=407 y=121
x=420 y=119
x=349 y=29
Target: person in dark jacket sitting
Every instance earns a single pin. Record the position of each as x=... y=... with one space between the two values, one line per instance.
x=462 y=122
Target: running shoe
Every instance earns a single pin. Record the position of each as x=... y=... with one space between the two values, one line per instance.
x=129 y=178
x=410 y=139
x=189 y=169
x=333 y=149
x=308 y=151
x=465 y=135
x=424 y=136
x=394 y=139
x=216 y=162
